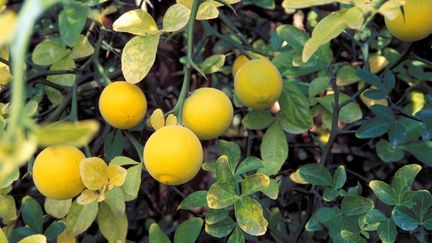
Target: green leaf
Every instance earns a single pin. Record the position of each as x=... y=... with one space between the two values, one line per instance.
x=81 y=48
x=339 y=177
x=213 y=64
x=422 y=200
x=420 y=150
x=387 y=153
x=48 y=52
x=349 y=113
x=321 y=217
x=404 y=178
x=346 y=75
x=70 y=133
x=373 y=128
x=384 y=192
x=387 y=231
x=194 y=200
x=112 y=225
x=214 y=216
x=66 y=63
x=8 y=211
x=175 y=18
x=249 y=164
x=156 y=234
x=295 y=4
x=10 y=172
x=71 y=22
x=114 y=198
x=132 y=182
x=254 y=183
x=295 y=37
x=295 y=115
x=220 y=229
x=223 y=171
x=257 y=119
x=54 y=230
x=231 y=150
x=272 y=190
x=327 y=29
x=57 y=209
x=404 y=218
x=315 y=174
x=249 y=216
x=318 y=85
x=138 y=57
x=32 y=214
x=355 y=205
x=274 y=148
x=3 y=237
x=374 y=216
x=349 y=236
x=221 y=195
x=237 y=236
x=188 y=231
x=123 y=160
x=80 y=217
x=137 y=22
x=354 y=18
x=330 y=194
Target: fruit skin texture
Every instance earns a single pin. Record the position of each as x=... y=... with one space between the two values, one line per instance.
x=242 y=59
x=417 y=23
x=208 y=112
x=173 y=155
x=258 y=84
x=56 y=172
x=123 y=105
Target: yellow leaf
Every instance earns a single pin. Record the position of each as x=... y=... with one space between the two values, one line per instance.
x=8 y=21
x=5 y=75
x=138 y=57
x=171 y=120
x=87 y=197
x=116 y=175
x=34 y=239
x=82 y=48
x=66 y=238
x=377 y=63
x=93 y=172
x=48 y=52
x=66 y=63
x=137 y=22
x=297 y=178
x=157 y=119
x=354 y=18
x=18 y=151
x=208 y=10
x=176 y=17
x=57 y=208
x=391 y=8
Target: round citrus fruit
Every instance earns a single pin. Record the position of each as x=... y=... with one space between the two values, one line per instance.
x=258 y=84
x=414 y=23
x=173 y=155
x=123 y=105
x=208 y=112
x=242 y=59
x=56 y=172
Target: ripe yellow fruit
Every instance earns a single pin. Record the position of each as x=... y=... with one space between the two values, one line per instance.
x=414 y=24
x=258 y=84
x=242 y=59
x=123 y=105
x=56 y=172
x=208 y=112
x=173 y=155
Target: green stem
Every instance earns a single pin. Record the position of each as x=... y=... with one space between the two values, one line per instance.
x=29 y=13
x=178 y=108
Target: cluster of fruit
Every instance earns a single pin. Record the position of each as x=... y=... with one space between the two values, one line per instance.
x=173 y=154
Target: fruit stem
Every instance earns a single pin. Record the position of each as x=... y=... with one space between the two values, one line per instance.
x=178 y=108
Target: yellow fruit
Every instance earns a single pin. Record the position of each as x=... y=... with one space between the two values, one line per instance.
x=242 y=59
x=258 y=84
x=208 y=112
x=56 y=172
x=414 y=24
x=173 y=155
x=123 y=105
